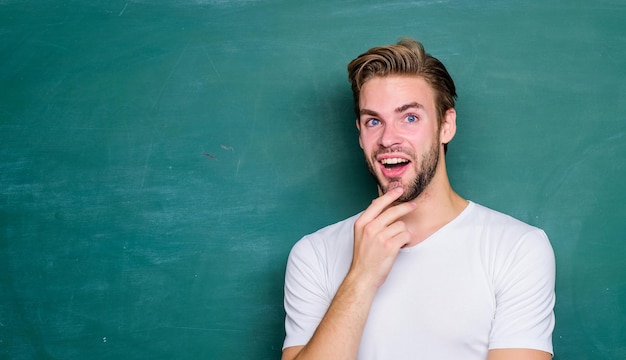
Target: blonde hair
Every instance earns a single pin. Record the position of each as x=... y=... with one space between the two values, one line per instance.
x=406 y=57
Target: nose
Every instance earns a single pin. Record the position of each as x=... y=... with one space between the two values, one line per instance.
x=389 y=136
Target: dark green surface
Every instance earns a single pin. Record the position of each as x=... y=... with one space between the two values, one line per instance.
x=160 y=158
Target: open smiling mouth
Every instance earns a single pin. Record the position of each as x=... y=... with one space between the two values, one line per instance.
x=394 y=167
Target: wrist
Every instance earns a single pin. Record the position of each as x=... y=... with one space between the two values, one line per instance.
x=359 y=286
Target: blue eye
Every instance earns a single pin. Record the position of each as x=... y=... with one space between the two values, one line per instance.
x=411 y=118
x=372 y=122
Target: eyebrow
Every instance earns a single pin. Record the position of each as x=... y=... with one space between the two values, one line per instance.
x=368 y=112
x=399 y=109
x=405 y=107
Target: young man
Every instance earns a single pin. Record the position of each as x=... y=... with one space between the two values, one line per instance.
x=422 y=273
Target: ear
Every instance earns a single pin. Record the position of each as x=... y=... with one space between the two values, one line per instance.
x=448 y=126
x=358 y=126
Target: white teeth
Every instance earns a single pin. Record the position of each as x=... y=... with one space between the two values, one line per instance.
x=393 y=161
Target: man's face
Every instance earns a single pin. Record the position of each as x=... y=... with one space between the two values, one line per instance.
x=399 y=133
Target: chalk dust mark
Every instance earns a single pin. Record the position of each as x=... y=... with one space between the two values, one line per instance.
x=148 y=157
x=53 y=45
x=204 y=329
x=156 y=101
x=169 y=76
x=124 y=9
x=237 y=171
x=230 y=148
x=211 y=61
x=210 y=156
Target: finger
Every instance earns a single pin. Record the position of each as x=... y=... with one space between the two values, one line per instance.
x=379 y=204
x=386 y=225
x=399 y=235
x=393 y=230
x=393 y=213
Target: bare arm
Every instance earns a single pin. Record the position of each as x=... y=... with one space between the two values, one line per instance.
x=378 y=236
x=518 y=354
x=339 y=333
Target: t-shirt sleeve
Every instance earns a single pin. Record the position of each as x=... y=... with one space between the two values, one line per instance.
x=306 y=296
x=524 y=290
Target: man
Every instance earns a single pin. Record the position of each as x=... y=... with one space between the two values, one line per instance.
x=422 y=273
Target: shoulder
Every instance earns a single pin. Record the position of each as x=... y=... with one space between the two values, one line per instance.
x=503 y=238
x=521 y=267
x=338 y=228
x=319 y=261
x=496 y=218
x=331 y=239
x=494 y=224
x=510 y=245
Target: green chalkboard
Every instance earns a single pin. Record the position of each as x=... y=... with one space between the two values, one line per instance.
x=158 y=159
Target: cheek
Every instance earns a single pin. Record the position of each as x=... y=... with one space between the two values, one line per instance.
x=365 y=141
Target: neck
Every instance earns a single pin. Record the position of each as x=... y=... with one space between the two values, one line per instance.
x=436 y=206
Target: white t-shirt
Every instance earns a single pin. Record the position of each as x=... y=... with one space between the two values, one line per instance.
x=483 y=281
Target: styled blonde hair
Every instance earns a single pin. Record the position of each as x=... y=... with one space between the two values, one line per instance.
x=407 y=57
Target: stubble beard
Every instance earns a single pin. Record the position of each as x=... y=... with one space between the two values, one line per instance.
x=425 y=172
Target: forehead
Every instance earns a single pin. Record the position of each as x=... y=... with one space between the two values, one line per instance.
x=389 y=92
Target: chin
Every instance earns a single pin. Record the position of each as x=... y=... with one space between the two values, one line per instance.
x=389 y=185
x=394 y=185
